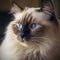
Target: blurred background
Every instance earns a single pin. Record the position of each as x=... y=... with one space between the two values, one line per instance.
x=5 y=6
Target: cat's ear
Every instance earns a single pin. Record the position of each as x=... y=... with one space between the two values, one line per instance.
x=47 y=5
x=16 y=8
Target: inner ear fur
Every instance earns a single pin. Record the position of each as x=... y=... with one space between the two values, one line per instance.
x=47 y=5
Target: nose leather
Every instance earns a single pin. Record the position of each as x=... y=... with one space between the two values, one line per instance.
x=22 y=35
x=25 y=33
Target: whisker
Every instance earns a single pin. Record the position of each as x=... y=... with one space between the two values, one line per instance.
x=44 y=38
x=39 y=40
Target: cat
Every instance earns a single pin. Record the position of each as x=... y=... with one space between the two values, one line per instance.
x=33 y=34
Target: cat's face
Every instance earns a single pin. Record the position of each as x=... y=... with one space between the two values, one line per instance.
x=34 y=25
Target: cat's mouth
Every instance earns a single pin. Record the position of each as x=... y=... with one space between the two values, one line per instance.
x=24 y=37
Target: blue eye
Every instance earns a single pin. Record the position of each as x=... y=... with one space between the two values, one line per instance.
x=34 y=25
x=19 y=26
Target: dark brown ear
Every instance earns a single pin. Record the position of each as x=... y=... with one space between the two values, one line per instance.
x=47 y=5
x=16 y=8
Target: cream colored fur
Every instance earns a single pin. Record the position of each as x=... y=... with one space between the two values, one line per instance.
x=13 y=49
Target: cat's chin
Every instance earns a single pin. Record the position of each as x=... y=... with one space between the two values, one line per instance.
x=23 y=44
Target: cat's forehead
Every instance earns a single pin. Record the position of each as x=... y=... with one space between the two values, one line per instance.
x=34 y=13
x=40 y=16
x=27 y=10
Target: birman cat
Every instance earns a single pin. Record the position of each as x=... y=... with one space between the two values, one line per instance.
x=33 y=34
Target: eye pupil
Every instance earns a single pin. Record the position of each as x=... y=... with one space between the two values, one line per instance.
x=34 y=25
x=19 y=26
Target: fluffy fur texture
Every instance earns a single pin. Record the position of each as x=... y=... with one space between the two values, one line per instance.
x=44 y=40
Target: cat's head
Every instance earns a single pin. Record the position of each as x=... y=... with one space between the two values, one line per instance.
x=34 y=25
